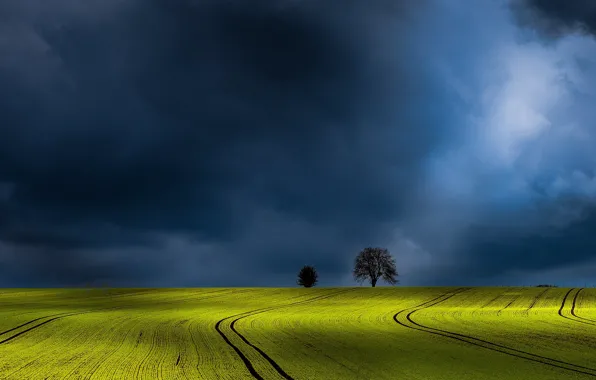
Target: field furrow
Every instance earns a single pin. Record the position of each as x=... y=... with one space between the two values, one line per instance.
x=317 y=333
x=482 y=342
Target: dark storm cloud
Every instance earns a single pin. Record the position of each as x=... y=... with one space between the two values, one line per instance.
x=186 y=117
x=494 y=250
x=228 y=143
x=558 y=17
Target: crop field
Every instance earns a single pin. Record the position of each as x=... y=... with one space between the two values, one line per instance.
x=286 y=333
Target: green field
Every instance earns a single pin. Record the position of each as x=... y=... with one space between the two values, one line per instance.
x=285 y=333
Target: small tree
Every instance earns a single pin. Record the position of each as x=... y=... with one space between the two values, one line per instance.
x=307 y=276
x=374 y=263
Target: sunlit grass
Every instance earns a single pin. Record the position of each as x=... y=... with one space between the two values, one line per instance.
x=317 y=333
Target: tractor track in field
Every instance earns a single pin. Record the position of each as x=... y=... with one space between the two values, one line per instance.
x=248 y=364
x=54 y=317
x=6 y=340
x=115 y=348
x=155 y=337
x=515 y=298
x=481 y=342
x=579 y=319
x=535 y=300
x=487 y=304
x=491 y=301
x=573 y=309
x=28 y=323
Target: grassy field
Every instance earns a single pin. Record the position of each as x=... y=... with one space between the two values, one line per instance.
x=317 y=333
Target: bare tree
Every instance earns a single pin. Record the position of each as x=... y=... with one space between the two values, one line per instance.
x=374 y=263
x=307 y=277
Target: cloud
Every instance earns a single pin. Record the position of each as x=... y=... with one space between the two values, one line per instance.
x=197 y=143
x=557 y=17
x=130 y=121
x=512 y=190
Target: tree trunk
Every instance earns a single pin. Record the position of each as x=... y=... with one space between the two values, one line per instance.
x=374 y=282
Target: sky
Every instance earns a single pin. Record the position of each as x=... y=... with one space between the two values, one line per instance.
x=199 y=143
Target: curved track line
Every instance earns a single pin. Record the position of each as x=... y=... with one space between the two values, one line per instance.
x=573 y=309
x=263 y=354
x=509 y=304
x=487 y=342
x=57 y=316
x=60 y=314
x=274 y=364
x=592 y=321
x=70 y=314
x=492 y=346
x=535 y=300
x=31 y=321
x=491 y=301
x=245 y=360
x=477 y=310
x=39 y=325
x=201 y=296
x=247 y=363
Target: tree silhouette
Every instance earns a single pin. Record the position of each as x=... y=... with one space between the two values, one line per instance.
x=374 y=263
x=307 y=276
